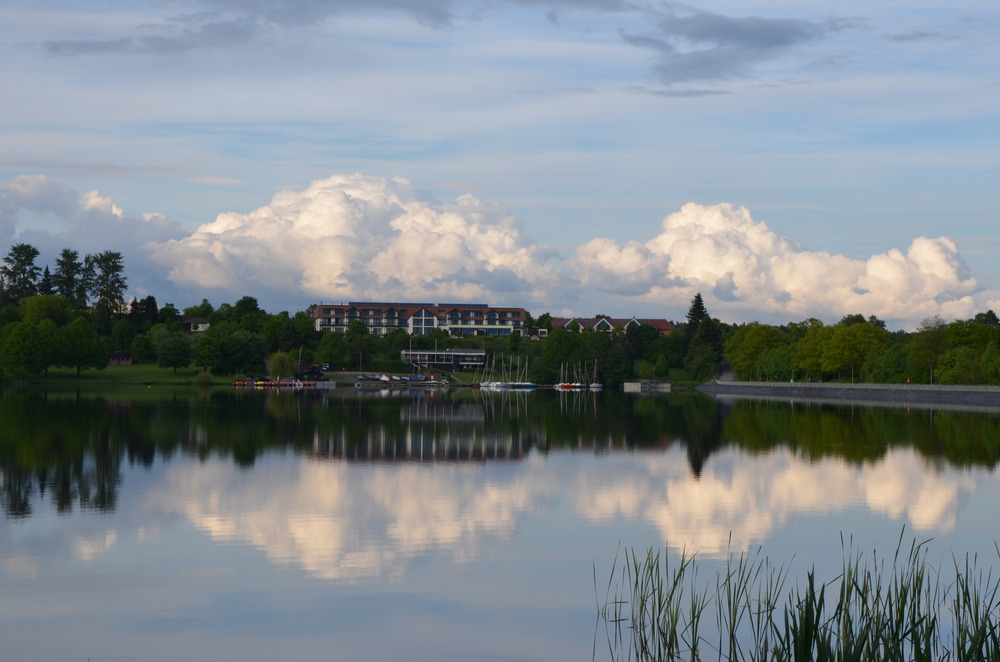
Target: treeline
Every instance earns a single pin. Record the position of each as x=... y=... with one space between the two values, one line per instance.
x=75 y=315
x=862 y=350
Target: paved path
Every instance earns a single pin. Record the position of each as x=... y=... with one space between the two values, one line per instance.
x=981 y=396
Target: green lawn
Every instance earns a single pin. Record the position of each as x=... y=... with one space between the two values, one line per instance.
x=139 y=374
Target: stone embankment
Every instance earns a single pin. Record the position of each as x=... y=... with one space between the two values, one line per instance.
x=930 y=395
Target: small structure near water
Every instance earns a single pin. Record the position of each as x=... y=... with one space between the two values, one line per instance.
x=647 y=386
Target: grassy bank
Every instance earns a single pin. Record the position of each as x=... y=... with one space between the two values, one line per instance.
x=139 y=374
x=900 y=609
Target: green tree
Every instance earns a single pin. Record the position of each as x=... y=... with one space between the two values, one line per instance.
x=358 y=340
x=19 y=274
x=615 y=369
x=49 y=333
x=560 y=351
x=796 y=330
x=333 y=350
x=142 y=349
x=248 y=315
x=988 y=318
x=989 y=364
x=70 y=278
x=174 y=352
x=969 y=333
x=80 y=347
x=807 y=357
x=701 y=362
x=106 y=275
x=745 y=346
x=46 y=306
x=926 y=347
x=281 y=366
x=22 y=350
x=697 y=313
x=848 y=347
x=851 y=320
x=705 y=347
x=251 y=351
x=122 y=334
x=215 y=349
x=960 y=365
x=226 y=349
x=168 y=314
x=45 y=285
x=775 y=363
x=143 y=314
x=888 y=364
x=289 y=337
x=203 y=310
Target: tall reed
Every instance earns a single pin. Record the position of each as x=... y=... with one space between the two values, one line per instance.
x=656 y=609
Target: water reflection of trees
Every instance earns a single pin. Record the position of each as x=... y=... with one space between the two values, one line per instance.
x=860 y=434
x=70 y=448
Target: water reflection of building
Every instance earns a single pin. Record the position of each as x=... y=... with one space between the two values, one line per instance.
x=443 y=411
x=427 y=431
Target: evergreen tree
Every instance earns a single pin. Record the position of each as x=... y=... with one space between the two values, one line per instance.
x=19 y=274
x=696 y=313
x=45 y=284
x=704 y=341
x=107 y=281
x=70 y=278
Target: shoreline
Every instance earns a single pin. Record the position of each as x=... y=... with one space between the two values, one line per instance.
x=891 y=394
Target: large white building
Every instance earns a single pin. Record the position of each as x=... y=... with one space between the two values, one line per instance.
x=421 y=318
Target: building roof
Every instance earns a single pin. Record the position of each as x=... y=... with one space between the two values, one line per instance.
x=609 y=324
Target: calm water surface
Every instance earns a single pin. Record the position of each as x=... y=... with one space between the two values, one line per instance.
x=168 y=525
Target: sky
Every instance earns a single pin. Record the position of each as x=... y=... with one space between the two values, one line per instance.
x=786 y=160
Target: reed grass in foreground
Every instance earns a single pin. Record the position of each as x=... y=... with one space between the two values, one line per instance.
x=905 y=609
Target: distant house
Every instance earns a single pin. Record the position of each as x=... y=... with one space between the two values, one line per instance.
x=608 y=325
x=194 y=324
x=446 y=359
x=309 y=372
x=120 y=358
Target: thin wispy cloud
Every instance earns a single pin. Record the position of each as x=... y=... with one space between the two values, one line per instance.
x=697 y=45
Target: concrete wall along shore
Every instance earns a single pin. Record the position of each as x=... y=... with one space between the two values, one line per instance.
x=979 y=397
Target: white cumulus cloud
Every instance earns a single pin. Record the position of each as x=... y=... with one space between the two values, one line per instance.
x=747 y=271
x=355 y=237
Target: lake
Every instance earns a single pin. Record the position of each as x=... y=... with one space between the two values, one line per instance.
x=165 y=524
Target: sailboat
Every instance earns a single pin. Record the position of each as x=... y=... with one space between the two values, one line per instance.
x=594 y=384
x=564 y=385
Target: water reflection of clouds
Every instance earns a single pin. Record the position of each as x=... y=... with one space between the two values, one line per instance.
x=348 y=521
x=739 y=501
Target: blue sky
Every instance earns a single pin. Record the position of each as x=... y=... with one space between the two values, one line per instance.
x=787 y=160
